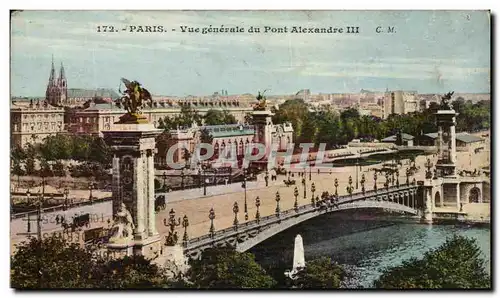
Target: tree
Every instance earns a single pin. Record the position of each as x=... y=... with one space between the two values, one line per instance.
x=59 y=169
x=54 y=263
x=130 y=272
x=51 y=263
x=455 y=264
x=228 y=269
x=218 y=117
x=205 y=136
x=320 y=273
x=30 y=165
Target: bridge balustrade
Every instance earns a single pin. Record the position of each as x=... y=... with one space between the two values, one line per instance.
x=301 y=210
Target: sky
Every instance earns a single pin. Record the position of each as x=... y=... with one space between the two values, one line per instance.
x=429 y=52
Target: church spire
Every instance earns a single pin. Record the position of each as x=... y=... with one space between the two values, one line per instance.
x=52 y=72
x=61 y=73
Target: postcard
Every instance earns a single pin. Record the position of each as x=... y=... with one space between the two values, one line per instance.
x=250 y=149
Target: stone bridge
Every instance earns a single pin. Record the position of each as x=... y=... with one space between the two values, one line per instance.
x=401 y=198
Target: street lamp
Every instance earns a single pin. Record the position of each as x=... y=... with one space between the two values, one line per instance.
x=211 y=216
x=357 y=162
x=310 y=172
x=91 y=187
x=296 y=194
x=164 y=181
x=244 y=185
x=267 y=178
x=236 y=209
x=350 y=188
x=313 y=189
x=278 y=198
x=172 y=223
x=185 y=225
x=304 y=185
x=336 y=187
x=375 y=181
x=363 y=183
x=257 y=204
x=66 y=201
x=28 y=194
x=39 y=204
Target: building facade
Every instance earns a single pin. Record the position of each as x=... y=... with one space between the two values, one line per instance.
x=400 y=102
x=98 y=117
x=235 y=136
x=34 y=122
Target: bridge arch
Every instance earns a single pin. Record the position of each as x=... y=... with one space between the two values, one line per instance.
x=276 y=229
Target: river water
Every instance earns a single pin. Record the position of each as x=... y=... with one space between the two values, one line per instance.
x=366 y=247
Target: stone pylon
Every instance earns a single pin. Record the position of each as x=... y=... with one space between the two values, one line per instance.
x=133 y=147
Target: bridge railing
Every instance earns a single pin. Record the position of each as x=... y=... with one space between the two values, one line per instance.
x=61 y=207
x=301 y=210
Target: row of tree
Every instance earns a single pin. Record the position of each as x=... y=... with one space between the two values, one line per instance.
x=66 y=147
x=188 y=116
x=335 y=128
x=456 y=264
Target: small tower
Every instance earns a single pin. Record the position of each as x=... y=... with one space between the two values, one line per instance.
x=62 y=85
x=51 y=93
x=446 y=139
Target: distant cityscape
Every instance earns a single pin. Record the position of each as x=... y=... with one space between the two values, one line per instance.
x=89 y=111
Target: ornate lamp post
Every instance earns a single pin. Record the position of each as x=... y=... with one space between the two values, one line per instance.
x=171 y=223
x=375 y=181
x=91 y=187
x=363 y=180
x=164 y=176
x=336 y=186
x=278 y=198
x=236 y=209
x=310 y=172
x=304 y=185
x=349 y=188
x=211 y=216
x=313 y=189
x=244 y=185
x=428 y=172
x=397 y=178
x=296 y=194
x=257 y=214
x=39 y=204
x=407 y=176
x=267 y=178
x=185 y=225
x=66 y=201
x=357 y=165
x=28 y=202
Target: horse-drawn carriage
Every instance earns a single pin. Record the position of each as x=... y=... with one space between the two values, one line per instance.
x=160 y=203
x=79 y=221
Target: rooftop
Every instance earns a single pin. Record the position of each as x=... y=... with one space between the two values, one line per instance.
x=461 y=136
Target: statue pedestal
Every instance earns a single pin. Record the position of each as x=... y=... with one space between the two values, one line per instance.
x=174 y=260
